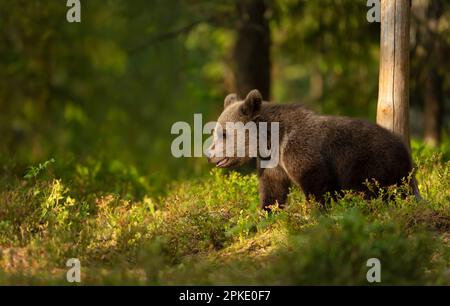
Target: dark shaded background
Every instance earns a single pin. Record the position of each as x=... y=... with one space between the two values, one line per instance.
x=102 y=95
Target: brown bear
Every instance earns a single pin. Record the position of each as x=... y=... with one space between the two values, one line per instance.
x=321 y=154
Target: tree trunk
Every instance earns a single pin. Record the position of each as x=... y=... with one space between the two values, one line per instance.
x=251 y=54
x=434 y=82
x=393 y=97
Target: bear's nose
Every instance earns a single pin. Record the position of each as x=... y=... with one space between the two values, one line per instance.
x=208 y=152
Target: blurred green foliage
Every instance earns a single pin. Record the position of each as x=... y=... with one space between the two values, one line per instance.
x=95 y=89
x=109 y=88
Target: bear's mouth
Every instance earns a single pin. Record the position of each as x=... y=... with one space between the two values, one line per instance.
x=222 y=163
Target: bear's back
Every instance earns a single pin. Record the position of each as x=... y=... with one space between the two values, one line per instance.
x=350 y=150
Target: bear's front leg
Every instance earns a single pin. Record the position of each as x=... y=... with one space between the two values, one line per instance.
x=273 y=187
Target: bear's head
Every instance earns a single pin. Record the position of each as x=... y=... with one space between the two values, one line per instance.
x=235 y=134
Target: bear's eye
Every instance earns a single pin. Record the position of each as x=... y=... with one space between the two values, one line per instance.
x=224 y=135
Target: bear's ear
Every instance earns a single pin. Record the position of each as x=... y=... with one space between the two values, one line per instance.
x=230 y=99
x=252 y=104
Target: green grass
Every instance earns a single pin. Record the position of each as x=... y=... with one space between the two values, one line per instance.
x=211 y=230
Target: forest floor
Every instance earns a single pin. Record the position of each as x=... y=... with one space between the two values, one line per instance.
x=211 y=230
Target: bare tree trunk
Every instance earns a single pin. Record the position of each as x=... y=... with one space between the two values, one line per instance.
x=251 y=54
x=434 y=82
x=393 y=98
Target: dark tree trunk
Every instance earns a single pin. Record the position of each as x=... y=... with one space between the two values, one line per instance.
x=434 y=82
x=251 y=54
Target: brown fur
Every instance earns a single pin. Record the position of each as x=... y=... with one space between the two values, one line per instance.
x=321 y=154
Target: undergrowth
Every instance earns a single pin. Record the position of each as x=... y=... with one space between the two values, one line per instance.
x=211 y=230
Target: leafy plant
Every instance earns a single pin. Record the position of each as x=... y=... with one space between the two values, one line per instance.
x=33 y=172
